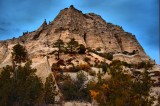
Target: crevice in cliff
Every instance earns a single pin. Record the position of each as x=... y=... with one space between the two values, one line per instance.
x=119 y=41
x=103 y=43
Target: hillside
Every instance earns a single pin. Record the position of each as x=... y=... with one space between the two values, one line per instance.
x=104 y=44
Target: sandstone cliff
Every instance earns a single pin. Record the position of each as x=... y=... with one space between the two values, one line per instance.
x=88 y=29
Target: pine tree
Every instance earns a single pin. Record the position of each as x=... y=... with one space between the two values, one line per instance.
x=59 y=44
x=19 y=54
x=5 y=85
x=72 y=45
x=24 y=90
x=50 y=90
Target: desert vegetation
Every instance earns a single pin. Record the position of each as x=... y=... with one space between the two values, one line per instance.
x=20 y=86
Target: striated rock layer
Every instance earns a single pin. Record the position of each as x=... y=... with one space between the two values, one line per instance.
x=88 y=29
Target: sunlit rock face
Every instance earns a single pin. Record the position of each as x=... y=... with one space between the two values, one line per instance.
x=88 y=29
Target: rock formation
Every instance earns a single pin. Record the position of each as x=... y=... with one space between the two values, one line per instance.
x=88 y=29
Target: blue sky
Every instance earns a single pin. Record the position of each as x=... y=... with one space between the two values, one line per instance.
x=140 y=17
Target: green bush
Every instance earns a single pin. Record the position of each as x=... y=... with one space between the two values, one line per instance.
x=92 y=73
x=125 y=52
x=121 y=63
x=87 y=59
x=74 y=89
x=72 y=46
x=145 y=65
x=98 y=49
x=109 y=56
x=81 y=49
x=104 y=67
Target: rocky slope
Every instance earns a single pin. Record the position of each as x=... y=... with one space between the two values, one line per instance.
x=88 y=29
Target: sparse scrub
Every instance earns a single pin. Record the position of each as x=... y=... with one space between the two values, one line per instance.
x=55 y=67
x=121 y=89
x=121 y=63
x=145 y=65
x=87 y=59
x=74 y=68
x=72 y=46
x=81 y=49
x=74 y=89
x=104 y=67
x=84 y=67
x=92 y=73
x=98 y=49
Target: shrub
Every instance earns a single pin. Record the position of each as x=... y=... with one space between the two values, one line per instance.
x=81 y=78
x=141 y=65
x=84 y=67
x=55 y=67
x=87 y=59
x=125 y=52
x=108 y=56
x=98 y=49
x=72 y=46
x=121 y=89
x=127 y=64
x=121 y=63
x=116 y=62
x=81 y=49
x=133 y=52
x=75 y=68
x=104 y=67
x=92 y=73
x=74 y=89
x=60 y=62
x=90 y=49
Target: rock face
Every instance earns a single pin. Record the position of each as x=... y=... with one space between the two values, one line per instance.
x=88 y=29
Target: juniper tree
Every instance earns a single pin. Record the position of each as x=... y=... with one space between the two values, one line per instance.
x=19 y=54
x=59 y=44
x=72 y=45
x=50 y=90
x=24 y=91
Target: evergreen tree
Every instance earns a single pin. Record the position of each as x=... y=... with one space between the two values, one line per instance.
x=5 y=85
x=50 y=90
x=72 y=45
x=19 y=54
x=29 y=86
x=24 y=89
x=81 y=49
x=59 y=44
x=122 y=89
